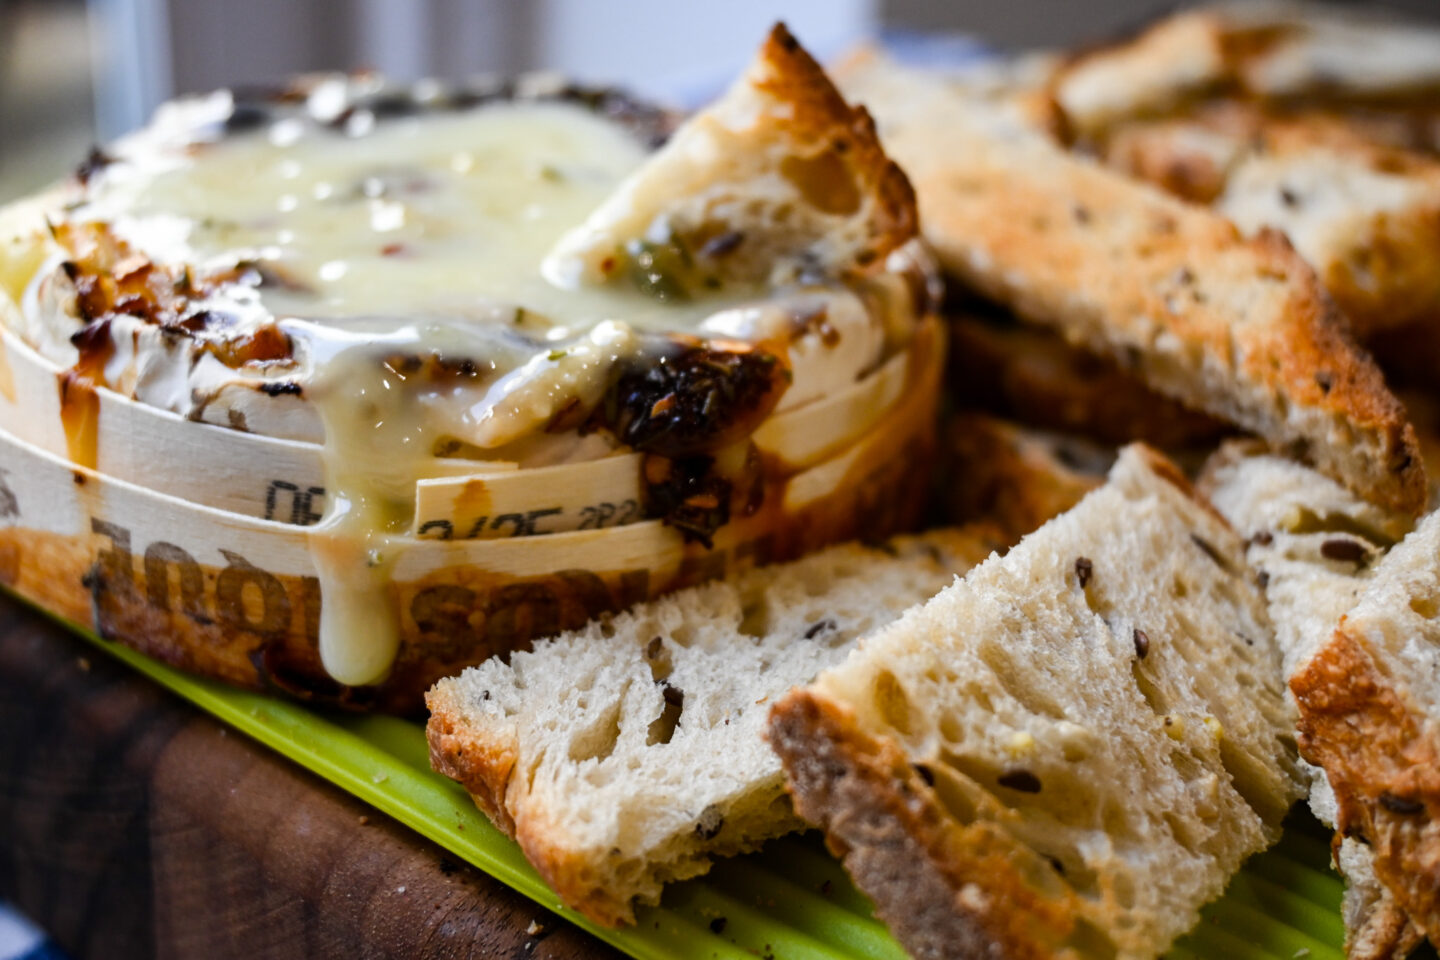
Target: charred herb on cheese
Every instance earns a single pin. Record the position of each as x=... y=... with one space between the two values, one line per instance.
x=682 y=406
x=112 y=280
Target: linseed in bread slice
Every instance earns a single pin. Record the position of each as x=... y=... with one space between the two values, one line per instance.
x=1314 y=547
x=1066 y=753
x=629 y=753
x=778 y=177
x=1240 y=328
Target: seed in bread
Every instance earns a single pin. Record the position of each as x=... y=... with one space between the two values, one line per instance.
x=629 y=753
x=1010 y=770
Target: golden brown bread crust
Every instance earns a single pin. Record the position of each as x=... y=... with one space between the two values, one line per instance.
x=483 y=768
x=945 y=891
x=823 y=117
x=1031 y=374
x=1384 y=768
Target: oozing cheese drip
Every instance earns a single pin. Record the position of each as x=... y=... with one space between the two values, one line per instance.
x=381 y=430
x=417 y=240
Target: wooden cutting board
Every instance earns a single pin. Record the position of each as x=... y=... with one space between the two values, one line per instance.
x=133 y=825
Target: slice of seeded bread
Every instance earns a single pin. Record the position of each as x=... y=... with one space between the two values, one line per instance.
x=1014 y=476
x=1365 y=217
x=1314 y=547
x=629 y=753
x=1240 y=328
x=1370 y=715
x=1031 y=374
x=1068 y=752
x=778 y=177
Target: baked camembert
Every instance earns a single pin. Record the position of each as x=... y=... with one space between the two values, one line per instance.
x=436 y=282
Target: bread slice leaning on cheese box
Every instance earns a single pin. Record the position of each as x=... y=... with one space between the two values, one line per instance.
x=1068 y=752
x=1237 y=327
x=371 y=418
x=631 y=753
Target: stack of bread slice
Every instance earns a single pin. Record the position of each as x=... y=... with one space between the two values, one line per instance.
x=1067 y=753
x=629 y=754
x=1075 y=746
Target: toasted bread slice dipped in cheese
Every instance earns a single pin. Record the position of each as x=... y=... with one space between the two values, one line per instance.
x=778 y=179
x=1240 y=328
x=1314 y=547
x=1366 y=217
x=1066 y=753
x=629 y=753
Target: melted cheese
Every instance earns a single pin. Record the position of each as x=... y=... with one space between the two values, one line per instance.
x=432 y=214
x=417 y=237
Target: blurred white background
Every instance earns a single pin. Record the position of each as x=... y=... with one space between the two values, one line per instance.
x=73 y=73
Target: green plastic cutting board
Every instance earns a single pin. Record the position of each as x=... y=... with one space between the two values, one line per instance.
x=790 y=900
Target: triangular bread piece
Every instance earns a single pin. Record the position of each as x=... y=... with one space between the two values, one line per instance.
x=1068 y=752
x=1239 y=328
x=778 y=178
x=1315 y=547
x=630 y=753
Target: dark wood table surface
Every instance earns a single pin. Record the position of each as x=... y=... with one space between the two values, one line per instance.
x=134 y=825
